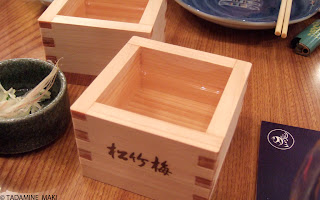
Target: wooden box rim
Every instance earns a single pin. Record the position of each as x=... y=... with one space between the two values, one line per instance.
x=145 y=24
x=87 y=107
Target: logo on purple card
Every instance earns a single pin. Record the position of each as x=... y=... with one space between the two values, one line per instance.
x=280 y=139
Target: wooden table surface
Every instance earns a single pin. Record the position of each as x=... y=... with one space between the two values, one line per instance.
x=283 y=88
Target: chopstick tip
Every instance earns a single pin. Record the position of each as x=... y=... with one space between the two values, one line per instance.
x=283 y=35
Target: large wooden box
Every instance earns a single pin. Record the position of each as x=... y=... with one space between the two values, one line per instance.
x=159 y=119
x=87 y=34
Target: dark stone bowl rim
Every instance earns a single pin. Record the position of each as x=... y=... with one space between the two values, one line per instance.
x=62 y=90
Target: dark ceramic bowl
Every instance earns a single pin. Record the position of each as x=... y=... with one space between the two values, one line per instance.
x=24 y=134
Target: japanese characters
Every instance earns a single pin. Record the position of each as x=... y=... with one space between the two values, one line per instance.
x=156 y=165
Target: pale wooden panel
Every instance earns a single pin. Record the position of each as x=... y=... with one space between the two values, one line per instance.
x=125 y=11
x=172 y=84
x=153 y=9
x=132 y=140
x=74 y=8
x=154 y=128
x=184 y=67
x=170 y=108
x=168 y=93
x=183 y=166
x=72 y=42
x=158 y=32
x=125 y=83
x=178 y=79
x=129 y=3
x=142 y=85
x=134 y=185
x=134 y=173
x=110 y=26
x=119 y=15
x=51 y=51
x=80 y=125
x=224 y=123
x=100 y=83
x=113 y=11
x=182 y=76
x=97 y=23
x=228 y=137
x=226 y=108
x=182 y=51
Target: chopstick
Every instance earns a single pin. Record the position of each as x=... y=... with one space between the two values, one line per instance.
x=286 y=19
x=283 y=18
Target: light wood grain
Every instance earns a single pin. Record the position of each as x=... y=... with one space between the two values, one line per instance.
x=89 y=33
x=283 y=87
x=153 y=84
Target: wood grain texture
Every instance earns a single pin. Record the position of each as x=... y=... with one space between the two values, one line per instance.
x=283 y=87
x=88 y=34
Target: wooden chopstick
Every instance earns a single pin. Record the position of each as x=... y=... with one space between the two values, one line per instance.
x=286 y=19
x=283 y=18
x=280 y=17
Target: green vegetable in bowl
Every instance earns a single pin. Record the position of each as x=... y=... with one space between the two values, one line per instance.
x=12 y=106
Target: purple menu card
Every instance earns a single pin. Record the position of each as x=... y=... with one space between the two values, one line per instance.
x=289 y=163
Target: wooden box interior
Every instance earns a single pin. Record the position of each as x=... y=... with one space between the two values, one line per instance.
x=163 y=101
x=172 y=88
x=115 y=10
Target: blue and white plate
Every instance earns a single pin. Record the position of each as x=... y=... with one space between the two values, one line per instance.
x=249 y=14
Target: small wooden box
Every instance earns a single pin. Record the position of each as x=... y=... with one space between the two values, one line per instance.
x=159 y=119
x=87 y=34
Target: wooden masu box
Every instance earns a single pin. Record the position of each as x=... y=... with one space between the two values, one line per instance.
x=87 y=34
x=159 y=119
